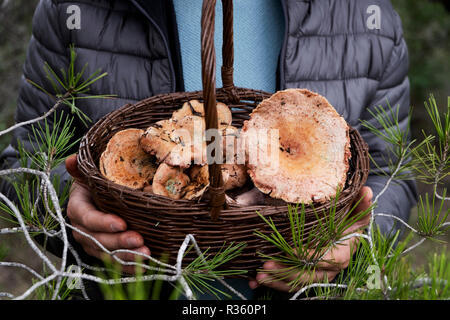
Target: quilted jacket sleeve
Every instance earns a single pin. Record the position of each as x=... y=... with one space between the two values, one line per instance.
x=394 y=89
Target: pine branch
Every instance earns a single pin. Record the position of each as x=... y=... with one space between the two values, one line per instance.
x=35 y=120
x=398 y=219
x=323 y=285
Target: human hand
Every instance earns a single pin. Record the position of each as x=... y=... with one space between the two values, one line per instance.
x=335 y=260
x=108 y=229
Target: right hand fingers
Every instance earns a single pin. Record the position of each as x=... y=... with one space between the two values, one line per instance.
x=94 y=250
x=107 y=229
x=111 y=241
x=81 y=211
x=72 y=166
x=130 y=257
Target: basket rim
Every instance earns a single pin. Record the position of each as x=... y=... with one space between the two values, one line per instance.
x=91 y=173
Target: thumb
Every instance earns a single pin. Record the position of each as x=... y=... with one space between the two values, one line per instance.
x=72 y=166
x=253 y=284
x=365 y=196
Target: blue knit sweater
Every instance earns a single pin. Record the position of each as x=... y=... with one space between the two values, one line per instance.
x=258 y=32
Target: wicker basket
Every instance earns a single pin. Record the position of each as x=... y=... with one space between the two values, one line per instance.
x=164 y=222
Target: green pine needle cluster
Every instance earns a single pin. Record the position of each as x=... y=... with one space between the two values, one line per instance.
x=71 y=85
x=431 y=162
x=201 y=273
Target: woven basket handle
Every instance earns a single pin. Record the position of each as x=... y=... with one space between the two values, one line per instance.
x=217 y=191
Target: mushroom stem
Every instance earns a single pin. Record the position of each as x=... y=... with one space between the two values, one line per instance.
x=250 y=198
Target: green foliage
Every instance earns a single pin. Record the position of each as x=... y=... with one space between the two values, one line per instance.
x=49 y=148
x=15 y=33
x=70 y=85
x=306 y=248
x=404 y=282
x=439 y=273
x=426 y=27
x=431 y=161
x=200 y=273
x=26 y=193
x=47 y=292
x=50 y=144
x=431 y=283
x=138 y=290
x=399 y=148
x=386 y=249
x=432 y=216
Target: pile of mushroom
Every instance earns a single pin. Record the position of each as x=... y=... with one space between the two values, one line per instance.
x=169 y=157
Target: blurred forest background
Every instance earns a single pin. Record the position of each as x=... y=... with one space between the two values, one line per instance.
x=426 y=25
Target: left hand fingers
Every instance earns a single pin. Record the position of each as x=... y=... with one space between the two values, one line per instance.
x=338 y=257
x=335 y=260
x=365 y=201
x=271 y=280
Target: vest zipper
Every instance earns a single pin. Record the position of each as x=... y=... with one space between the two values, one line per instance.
x=282 y=84
x=172 y=70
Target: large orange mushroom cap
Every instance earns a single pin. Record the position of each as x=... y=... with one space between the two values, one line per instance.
x=311 y=151
x=176 y=142
x=125 y=163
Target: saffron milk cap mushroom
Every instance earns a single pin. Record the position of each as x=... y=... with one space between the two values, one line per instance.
x=312 y=149
x=125 y=163
x=196 y=108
